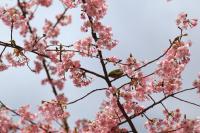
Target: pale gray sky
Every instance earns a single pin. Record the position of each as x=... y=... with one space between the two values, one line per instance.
x=143 y=28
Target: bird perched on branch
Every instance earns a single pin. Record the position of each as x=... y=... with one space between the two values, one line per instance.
x=116 y=73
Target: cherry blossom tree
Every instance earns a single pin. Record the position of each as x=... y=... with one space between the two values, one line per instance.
x=58 y=60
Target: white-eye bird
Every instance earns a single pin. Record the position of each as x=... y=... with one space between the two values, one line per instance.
x=116 y=73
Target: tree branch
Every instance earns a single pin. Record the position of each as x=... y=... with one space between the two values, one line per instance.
x=72 y=102
x=186 y=101
x=56 y=94
x=156 y=103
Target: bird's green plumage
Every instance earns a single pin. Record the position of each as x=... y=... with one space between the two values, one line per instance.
x=115 y=73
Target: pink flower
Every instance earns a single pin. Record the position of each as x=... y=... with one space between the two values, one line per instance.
x=15 y=62
x=25 y=114
x=38 y=66
x=66 y=19
x=6 y=123
x=3 y=66
x=49 y=30
x=69 y=3
x=46 y=3
x=196 y=83
x=85 y=47
x=183 y=22
x=113 y=59
x=53 y=110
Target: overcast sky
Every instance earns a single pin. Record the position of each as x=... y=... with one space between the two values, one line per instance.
x=142 y=27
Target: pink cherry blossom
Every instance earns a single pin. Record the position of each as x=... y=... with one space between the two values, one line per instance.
x=46 y=3
x=183 y=22
x=6 y=123
x=3 y=66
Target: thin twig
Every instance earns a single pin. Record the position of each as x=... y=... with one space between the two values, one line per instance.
x=86 y=95
x=186 y=101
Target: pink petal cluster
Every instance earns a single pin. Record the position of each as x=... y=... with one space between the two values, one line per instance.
x=15 y=16
x=95 y=8
x=79 y=78
x=66 y=64
x=170 y=68
x=38 y=66
x=6 y=123
x=104 y=33
x=11 y=15
x=16 y=61
x=66 y=19
x=196 y=83
x=32 y=43
x=106 y=120
x=69 y=3
x=113 y=59
x=129 y=66
x=54 y=109
x=50 y=30
x=45 y=3
x=25 y=114
x=173 y=122
x=183 y=22
x=85 y=47
x=3 y=66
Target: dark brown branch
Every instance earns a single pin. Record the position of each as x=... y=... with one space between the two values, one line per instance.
x=86 y=95
x=93 y=92
x=126 y=117
x=91 y=72
x=165 y=108
x=151 y=98
x=49 y=78
x=146 y=117
x=56 y=94
x=186 y=101
x=20 y=48
x=94 y=35
x=60 y=18
x=24 y=14
x=152 y=61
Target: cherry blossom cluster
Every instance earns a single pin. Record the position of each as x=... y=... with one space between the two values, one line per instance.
x=11 y=15
x=170 y=68
x=45 y=3
x=85 y=47
x=16 y=61
x=106 y=120
x=196 y=83
x=70 y=3
x=95 y=8
x=3 y=67
x=19 y=17
x=54 y=109
x=173 y=122
x=183 y=22
x=6 y=123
